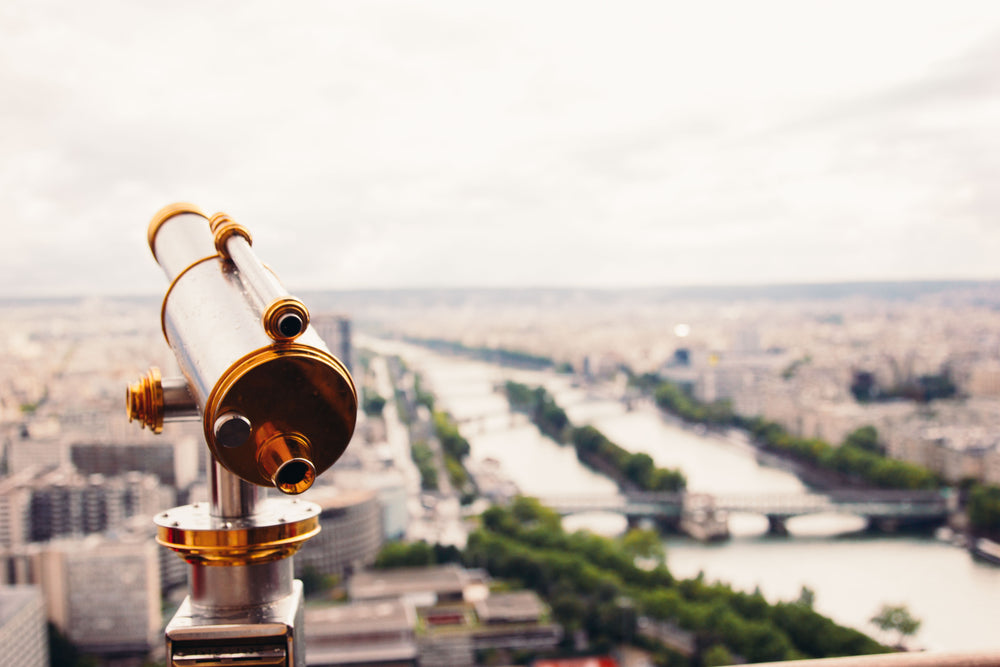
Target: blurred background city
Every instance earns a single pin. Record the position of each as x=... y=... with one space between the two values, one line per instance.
x=676 y=327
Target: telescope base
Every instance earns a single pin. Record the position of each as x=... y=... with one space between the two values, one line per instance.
x=264 y=635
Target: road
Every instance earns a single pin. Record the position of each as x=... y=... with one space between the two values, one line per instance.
x=433 y=516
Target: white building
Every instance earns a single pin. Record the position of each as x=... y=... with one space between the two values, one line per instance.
x=15 y=503
x=389 y=486
x=350 y=534
x=24 y=639
x=32 y=453
x=104 y=595
x=953 y=452
x=984 y=379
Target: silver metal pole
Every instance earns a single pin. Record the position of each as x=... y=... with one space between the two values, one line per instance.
x=240 y=587
x=232 y=497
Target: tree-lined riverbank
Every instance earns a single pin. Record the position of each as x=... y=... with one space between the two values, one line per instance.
x=631 y=471
x=851 y=576
x=593 y=586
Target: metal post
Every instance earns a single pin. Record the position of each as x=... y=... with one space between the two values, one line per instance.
x=232 y=498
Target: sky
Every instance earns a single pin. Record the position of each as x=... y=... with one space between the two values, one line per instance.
x=393 y=144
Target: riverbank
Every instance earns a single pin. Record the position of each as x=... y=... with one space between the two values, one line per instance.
x=822 y=480
x=813 y=477
x=852 y=576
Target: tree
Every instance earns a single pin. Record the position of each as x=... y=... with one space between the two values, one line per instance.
x=865 y=438
x=984 y=508
x=373 y=404
x=716 y=654
x=593 y=586
x=864 y=386
x=896 y=618
x=642 y=543
x=639 y=468
x=451 y=440
x=405 y=554
x=63 y=653
x=314 y=582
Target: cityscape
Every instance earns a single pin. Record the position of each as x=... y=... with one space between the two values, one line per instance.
x=616 y=334
x=733 y=475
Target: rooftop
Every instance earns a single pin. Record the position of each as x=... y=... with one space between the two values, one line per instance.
x=442 y=580
x=361 y=632
x=340 y=622
x=513 y=607
x=334 y=498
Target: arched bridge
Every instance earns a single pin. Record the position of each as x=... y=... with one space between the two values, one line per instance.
x=883 y=508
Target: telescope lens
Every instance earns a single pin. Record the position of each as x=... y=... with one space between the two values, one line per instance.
x=290 y=325
x=295 y=476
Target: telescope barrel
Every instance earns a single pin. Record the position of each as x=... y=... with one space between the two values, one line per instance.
x=284 y=316
x=277 y=407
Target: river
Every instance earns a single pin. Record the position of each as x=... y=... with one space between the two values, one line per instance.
x=851 y=575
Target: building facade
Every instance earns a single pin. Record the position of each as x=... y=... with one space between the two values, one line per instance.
x=24 y=639
x=350 y=534
x=173 y=464
x=63 y=502
x=335 y=330
x=104 y=595
x=66 y=503
x=15 y=503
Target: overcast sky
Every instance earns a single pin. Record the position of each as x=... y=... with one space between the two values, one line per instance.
x=410 y=144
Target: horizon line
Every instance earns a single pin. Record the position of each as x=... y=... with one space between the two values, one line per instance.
x=861 y=283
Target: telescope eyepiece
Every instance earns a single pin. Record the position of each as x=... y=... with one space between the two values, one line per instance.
x=285 y=319
x=295 y=476
x=286 y=460
x=290 y=325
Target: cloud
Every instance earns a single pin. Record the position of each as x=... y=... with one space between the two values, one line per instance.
x=391 y=144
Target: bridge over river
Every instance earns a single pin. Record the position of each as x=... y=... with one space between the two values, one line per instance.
x=705 y=516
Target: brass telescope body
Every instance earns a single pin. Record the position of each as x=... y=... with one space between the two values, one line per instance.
x=277 y=408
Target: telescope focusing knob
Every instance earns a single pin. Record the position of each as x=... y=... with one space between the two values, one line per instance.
x=144 y=400
x=232 y=429
x=153 y=400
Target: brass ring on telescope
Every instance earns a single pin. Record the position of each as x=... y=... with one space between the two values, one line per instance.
x=217 y=221
x=231 y=547
x=205 y=540
x=163 y=306
x=224 y=228
x=165 y=214
x=278 y=308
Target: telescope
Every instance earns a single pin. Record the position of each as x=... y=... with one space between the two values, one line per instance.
x=277 y=410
